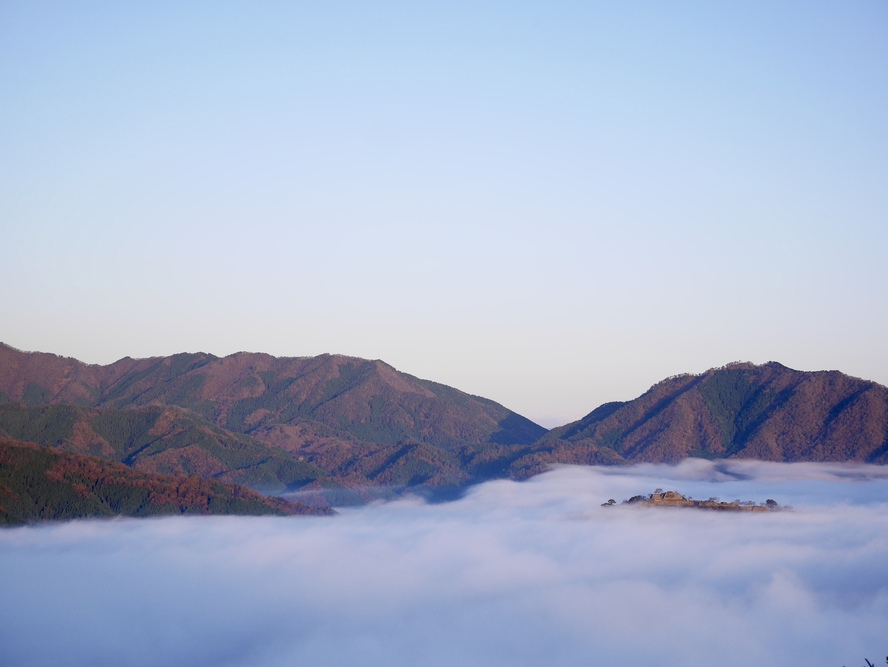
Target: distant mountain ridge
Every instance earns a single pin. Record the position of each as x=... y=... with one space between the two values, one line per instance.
x=359 y=422
x=318 y=424
x=767 y=412
x=244 y=392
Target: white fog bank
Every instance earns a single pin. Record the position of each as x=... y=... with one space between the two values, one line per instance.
x=532 y=573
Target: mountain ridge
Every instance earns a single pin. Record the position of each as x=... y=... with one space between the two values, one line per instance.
x=740 y=410
x=343 y=414
x=284 y=424
x=243 y=391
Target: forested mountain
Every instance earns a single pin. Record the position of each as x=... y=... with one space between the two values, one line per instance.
x=42 y=483
x=334 y=423
x=276 y=424
x=158 y=439
x=767 y=412
x=254 y=393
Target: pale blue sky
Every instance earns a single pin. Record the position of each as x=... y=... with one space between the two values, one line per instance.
x=551 y=204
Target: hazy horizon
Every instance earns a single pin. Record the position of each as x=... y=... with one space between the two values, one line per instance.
x=550 y=206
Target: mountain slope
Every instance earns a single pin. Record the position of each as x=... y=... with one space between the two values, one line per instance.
x=767 y=412
x=349 y=399
x=158 y=439
x=276 y=424
x=42 y=483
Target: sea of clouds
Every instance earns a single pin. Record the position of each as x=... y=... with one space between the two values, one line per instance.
x=530 y=573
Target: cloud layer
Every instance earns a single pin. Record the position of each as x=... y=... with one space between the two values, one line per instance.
x=512 y=574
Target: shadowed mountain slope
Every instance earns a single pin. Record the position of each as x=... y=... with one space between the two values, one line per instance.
x=767 y=412
x=158 y=439
x=173 y=441
x=40 y=483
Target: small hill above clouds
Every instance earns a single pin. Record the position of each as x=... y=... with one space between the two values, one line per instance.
x=767 y=412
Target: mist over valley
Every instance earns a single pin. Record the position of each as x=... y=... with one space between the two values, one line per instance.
x=513 y=573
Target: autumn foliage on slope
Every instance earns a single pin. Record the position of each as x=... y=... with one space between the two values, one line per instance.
x=42 y=483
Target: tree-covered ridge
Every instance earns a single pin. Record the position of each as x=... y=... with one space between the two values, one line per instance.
x=167 y=440
x=41 y=483
x=334 y=422
x=159 y=439
x=768 y=412
x=359 y=399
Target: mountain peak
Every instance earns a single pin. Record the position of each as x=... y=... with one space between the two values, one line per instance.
x=743 y=410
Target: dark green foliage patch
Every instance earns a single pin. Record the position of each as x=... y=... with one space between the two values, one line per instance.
x=48 y=425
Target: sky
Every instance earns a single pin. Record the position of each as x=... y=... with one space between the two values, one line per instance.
x=514 y=573
x=552 y=205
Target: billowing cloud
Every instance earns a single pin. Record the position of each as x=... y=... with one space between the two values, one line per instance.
x=511 y=574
